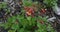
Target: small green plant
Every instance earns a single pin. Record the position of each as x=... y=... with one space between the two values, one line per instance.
x=27 y=23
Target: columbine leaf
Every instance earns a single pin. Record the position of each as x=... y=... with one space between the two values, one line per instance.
x=11 y=30
x=29 y=18
x=15 y=26
x=21 y=30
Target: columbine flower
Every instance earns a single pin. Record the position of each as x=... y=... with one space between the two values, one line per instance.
x=43 y=10
x=29 y=11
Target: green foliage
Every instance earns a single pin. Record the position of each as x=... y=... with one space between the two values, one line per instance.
x=21 y=22
x=3 y=5
x=26 y=24
x=11 y=31
x=50 y=3
x=27 y=2
x=44 y=27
